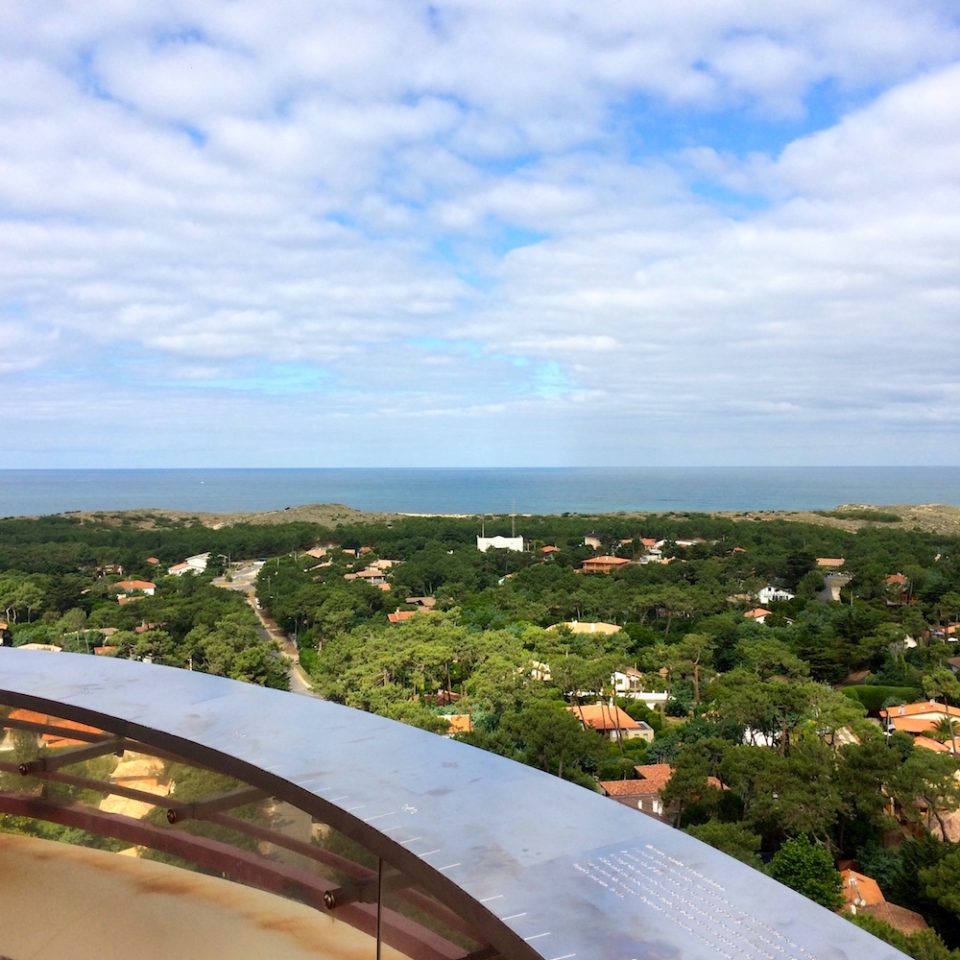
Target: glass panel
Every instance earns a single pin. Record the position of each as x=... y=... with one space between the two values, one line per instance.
x=414 y=923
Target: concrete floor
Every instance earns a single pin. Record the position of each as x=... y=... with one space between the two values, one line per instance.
x=60 y=902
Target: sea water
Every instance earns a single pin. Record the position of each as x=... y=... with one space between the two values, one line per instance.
x=476 y=490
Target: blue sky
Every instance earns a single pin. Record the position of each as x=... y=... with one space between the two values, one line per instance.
x=462 y=233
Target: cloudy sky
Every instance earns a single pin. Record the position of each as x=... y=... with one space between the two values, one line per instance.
x=479 y=232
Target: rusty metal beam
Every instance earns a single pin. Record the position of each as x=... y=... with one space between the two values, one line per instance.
x=65 y=758
x=309 y=850
x=204 y=809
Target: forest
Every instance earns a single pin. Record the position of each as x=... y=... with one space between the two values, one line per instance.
x=771 y=724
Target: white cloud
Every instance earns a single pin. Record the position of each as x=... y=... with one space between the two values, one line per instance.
x=552 y=197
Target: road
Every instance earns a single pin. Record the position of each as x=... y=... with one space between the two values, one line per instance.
x=243 y=579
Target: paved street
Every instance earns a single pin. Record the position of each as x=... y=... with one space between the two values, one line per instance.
x=243 y=577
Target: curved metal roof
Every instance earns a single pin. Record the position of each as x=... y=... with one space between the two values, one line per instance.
x=543 y=868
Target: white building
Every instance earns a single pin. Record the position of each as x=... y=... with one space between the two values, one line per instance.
x=769 y=594
x=500 y=543
x=194 y=564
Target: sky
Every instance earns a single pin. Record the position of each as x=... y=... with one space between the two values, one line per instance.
x=479 y=233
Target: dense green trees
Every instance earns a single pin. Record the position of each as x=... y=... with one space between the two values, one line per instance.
x=754 y=707
x=809 y=870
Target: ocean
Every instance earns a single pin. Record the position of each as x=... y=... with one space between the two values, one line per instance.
x=476 y=490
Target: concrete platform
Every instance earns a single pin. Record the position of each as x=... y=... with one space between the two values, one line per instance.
x=60 y=902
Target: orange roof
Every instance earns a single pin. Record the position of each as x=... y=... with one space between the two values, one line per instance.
x=913 y=709
x=897 y=579
x=912 y=724
x=626 y=788
x=398 y=616
x=655 y=775
x=550 y=549
x=152 y=560
x=831 y=562
x=603 y=564
x=136 y=585
x=859 y=890
x=601 y=716
x=900 y=918
x=757 y=613
x=936 y=746
x=459 y=722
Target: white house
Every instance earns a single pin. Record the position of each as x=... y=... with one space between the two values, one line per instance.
x=195 y=564
x=629 y=684
x=768 y=594
x=500 y=543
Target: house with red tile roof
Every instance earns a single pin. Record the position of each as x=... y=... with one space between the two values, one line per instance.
x=141 y=586
x=643 y=793
x=859 y=891
x=372 y=575
x=918 y=718
x=830 y=563
x=758 y=614
x=604 y=564
x=611 y=722
x=401 y=616
x=862 y=895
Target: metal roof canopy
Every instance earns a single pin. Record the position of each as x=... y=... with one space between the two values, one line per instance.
x=541 y=867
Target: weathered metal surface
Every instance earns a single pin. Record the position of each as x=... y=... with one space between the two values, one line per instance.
x=538 y=866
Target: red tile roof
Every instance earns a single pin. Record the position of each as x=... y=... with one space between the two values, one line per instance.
x=928 y=743
x=626 y=788
x=399 y=616
x=912 y=709
x=136 y=585
x=603 y=717
x=900 y=918
x=860 y=890
x=757 y=613
x=655 y=775
x=603 y=564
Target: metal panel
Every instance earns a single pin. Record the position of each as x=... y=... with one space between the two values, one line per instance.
x=540 y=867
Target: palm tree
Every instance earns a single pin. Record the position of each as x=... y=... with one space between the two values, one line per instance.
x=945 y=730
